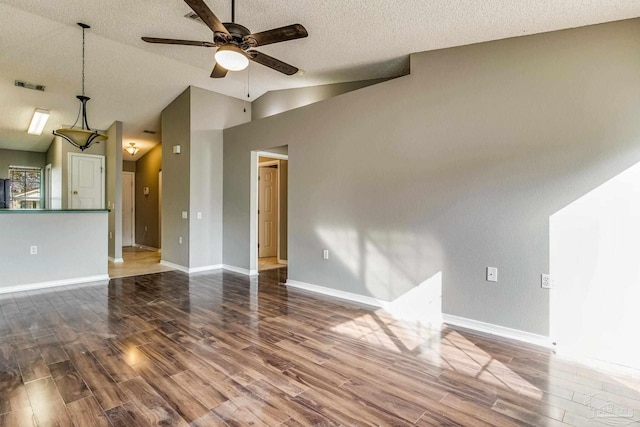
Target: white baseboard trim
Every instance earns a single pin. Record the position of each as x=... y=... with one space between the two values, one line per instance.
x=54 y=284
x=116 y=260
x=501 y=331
x=149 y=248
x=475 y=325
x=240 y=270
x=282 y=261
x=175 y=266
x=190 y=270
x=205 y=268
x=362 y=299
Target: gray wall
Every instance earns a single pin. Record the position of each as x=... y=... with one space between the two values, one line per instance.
x=449 y=170
x=20 y=158
x=283 y=209
x=54 y=158
x=192 y=180
x=70 y=246
x=58 y=156
x=147 y=206
x=206 y=197
x=113 y=163
x=278 y=101
x=176 y=128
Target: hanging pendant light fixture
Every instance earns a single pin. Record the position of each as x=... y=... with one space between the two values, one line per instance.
x=81 y=137
x=132 y=149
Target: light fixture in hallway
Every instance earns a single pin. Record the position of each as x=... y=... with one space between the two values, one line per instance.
x=132 y=149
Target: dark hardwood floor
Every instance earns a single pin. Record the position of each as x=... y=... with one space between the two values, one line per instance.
x=221 y=349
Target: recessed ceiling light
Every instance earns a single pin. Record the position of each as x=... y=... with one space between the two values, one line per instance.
x=38 y=121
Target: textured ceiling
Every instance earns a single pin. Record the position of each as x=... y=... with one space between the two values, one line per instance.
x=132 y=81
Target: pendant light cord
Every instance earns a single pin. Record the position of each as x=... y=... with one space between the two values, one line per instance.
x=83 y=61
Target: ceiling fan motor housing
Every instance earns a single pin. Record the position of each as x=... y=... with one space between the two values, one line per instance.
x=237 y=35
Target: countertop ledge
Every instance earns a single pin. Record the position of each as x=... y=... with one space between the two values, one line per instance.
x=51 y=211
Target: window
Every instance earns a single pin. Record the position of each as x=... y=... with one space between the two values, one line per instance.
x=25 y=187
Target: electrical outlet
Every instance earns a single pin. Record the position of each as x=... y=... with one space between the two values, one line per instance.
x=545 y=281
x=199 y=215
x=492 y=274
x=145 y=228
x=325 y=253
x=185 y=215
x=180 y=239
x=34 y=250
x=110 y=235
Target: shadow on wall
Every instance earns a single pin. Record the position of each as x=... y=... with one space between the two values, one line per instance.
x=594 y=250
x=398 y=269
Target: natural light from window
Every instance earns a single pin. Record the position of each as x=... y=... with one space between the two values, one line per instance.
x=25 y=187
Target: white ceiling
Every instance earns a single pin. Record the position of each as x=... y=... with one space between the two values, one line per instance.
x=132 y=81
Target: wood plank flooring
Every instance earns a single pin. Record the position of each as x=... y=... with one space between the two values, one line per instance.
x=220 y=349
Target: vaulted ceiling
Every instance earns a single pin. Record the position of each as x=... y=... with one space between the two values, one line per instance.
x=132 y=81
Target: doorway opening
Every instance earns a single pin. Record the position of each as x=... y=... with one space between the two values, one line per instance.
x=269 y=235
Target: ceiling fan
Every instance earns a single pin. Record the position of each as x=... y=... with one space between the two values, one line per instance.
x=235 y=42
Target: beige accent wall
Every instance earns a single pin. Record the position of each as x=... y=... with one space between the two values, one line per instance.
x=148 y=168
x=128 y=166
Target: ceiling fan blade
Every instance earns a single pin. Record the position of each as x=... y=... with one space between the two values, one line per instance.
x=176 y=41
x=277 y=35
x=208 y=17
x=271 y=62
x=218 y=72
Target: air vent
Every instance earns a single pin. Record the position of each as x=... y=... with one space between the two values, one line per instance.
x=33 y=86
x=152 y=132
x=194 y=17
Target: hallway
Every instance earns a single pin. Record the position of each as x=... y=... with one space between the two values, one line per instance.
x=137 y=261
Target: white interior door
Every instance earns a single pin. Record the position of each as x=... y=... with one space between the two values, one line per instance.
x=86 y=181
x=268 y=211
x=128 y=208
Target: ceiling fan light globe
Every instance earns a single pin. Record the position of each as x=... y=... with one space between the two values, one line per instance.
x=231 y=58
